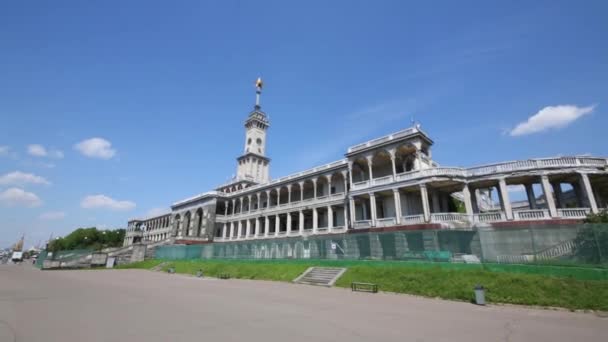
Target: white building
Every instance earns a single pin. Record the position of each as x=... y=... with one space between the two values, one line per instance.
x=388 y=183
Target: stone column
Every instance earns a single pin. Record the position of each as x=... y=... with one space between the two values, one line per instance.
x=369 y=166
x=277 y=224
x=224 y=231
x=417 y=161
x=289 y=193
x=350 y=174
x=240 y=230
x=233 y=206
x=557 y=190
x=315 y=219
x=544 y=180
x=392 y=153
x=257 y=225
x=314 y=185
x=248 y=230
x=231 y=230
x=344 y=176
x=330 y=218
x=530 y=194
x=241 y=200
x=301 y=191
x=267 y=199
x=288 y=223
x=466 y=194
x=301 y=222
x=424 y=195
x=397 y=198
x=259 y=196
x=278 y=196
x=266 y=225
x=353 y=213
x=503 y=194
x=248 y=203
x=372 y=204
x=588 y=192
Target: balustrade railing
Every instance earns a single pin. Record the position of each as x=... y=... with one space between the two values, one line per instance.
x=486 y=169
x=449 y=217
x=412 y=219
x=363 y=224
x=573 y=212
x=489 y=217
x=385 y=222
x=535 y=214
x=382 y=180
x=360 y=185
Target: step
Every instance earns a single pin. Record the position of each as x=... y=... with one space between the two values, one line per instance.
x=320 y=276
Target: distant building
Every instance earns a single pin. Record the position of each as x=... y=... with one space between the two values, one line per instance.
x=391 y=182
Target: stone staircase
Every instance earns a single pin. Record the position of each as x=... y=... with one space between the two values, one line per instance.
x=320 y=276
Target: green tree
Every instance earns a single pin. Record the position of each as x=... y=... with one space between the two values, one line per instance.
x=88 y=238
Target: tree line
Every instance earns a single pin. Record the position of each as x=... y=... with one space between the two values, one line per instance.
x=88 y=238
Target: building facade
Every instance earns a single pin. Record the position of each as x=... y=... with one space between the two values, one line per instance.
x=391 y=182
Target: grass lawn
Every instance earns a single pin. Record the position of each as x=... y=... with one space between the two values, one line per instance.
x=147 y=264
x=425 y=280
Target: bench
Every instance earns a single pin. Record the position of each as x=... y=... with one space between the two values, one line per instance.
x=364 y=287
x=224 y=276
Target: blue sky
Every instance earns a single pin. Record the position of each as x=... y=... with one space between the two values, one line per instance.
x=166 y=87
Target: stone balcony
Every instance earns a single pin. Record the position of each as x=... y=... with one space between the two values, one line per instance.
x=284 y=207
x=490 y=217
x=486 y=170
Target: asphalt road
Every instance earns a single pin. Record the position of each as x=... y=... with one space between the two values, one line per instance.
x=134 y=305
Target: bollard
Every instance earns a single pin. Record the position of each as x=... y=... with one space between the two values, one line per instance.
x=480 y=295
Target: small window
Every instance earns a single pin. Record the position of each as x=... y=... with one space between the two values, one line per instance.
x=249 y=141
x=259 y=141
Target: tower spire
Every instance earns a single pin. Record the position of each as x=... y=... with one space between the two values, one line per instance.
x=258 y=91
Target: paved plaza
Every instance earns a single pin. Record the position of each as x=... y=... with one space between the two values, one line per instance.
x=138 y=305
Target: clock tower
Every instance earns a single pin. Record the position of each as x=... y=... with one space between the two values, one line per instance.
x=253 y=165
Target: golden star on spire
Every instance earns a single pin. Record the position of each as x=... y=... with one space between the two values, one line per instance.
x=259 y=84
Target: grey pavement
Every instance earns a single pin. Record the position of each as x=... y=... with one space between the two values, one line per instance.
x=138 y=305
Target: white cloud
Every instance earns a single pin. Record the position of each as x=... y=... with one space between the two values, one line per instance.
x=550 y=117
x=22 y=178
x=157 y=212
x=4 y=150
x=105 y=202
x=96 y=148
x=38 y=150
x=52 y=215
x=18 y=197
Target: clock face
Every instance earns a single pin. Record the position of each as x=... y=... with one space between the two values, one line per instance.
x=259 y=141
